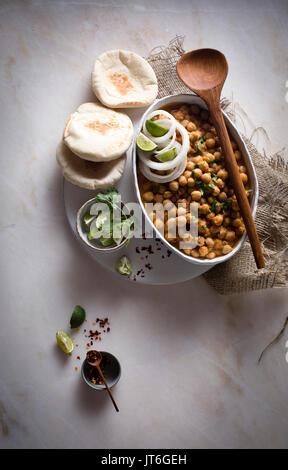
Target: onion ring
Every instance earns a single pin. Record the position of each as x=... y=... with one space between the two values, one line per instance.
x=172 y=163
x=163 y=178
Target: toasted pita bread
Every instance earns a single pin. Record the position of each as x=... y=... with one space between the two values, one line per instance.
x=86 y=174
x=123 y=79
x=97 y=133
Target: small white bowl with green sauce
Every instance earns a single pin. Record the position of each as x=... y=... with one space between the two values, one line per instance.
x=97 y=228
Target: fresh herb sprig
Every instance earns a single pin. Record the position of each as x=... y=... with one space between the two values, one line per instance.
x=199 y=146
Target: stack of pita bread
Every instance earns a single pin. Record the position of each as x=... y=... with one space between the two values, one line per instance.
x=92 y=153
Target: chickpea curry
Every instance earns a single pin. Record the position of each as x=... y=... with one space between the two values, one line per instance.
x=205 y=181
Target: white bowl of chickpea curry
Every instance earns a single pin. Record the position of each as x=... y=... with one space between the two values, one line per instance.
x=200 y=178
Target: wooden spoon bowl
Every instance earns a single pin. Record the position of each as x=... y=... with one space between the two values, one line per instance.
x=204 y=71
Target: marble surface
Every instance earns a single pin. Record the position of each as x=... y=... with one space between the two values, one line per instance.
x=189 y=356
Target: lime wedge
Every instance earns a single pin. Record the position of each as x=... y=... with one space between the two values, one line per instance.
x=167 y=156
x=155 y=129
x=124 y=266
x=145 y=144
x=77 y=317
x=64 y=341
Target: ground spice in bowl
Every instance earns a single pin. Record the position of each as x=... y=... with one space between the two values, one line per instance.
x=110 y=368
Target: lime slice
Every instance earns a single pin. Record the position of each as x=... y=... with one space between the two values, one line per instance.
x=64 y=341
x=145 y=144
x=77 y=317
x=124 y=266
x=155 y=129
x=167 y=156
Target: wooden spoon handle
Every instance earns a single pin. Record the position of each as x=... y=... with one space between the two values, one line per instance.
x=108 y=389
x=237 y=184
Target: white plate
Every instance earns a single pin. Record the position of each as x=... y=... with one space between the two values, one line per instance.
x=149 y=253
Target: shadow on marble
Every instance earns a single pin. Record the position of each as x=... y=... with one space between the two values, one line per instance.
x=91 y=401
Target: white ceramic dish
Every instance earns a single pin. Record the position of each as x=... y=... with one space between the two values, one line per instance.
x=94 y=245
x=192 y=99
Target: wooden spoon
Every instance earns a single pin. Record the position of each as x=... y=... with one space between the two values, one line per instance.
x=204 y=71
x=94 y=359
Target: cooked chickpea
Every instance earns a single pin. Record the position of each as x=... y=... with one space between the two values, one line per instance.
x=237 y=154
x=191 y=182
x=218 y=244
x=182 y=180
x=203 y=251
x=237 y=222
x=196 y=195
x=209 y=135
x=220 y=183
x=209 y=242
x=174 y=186
x=190 y=166
x=197 y=173
x=206 y=178
x=187 y=174
x=148 y=196
x=195 y=253
x=204 y=166
x=185 y=123
x=244 y=178
x=204 y=209
x=211 y=255
x=226 y=249
x=210 y=143
x=159 y=198
x=191 y=127
x=217 y=220
x=197 y=160
x=193 y=136
x=242 y=169
x=222 y=196
x=223 y=174
x=222 y=232
x=240 y=230
x=230 y=236
x=179 y=115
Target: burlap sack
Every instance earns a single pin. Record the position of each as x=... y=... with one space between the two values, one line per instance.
x=240 y=273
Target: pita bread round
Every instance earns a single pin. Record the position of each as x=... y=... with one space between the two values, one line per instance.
x=123 y=79
x=97 y=133
x=86 y=174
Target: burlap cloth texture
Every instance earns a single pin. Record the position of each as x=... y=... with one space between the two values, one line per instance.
x=240 y=274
